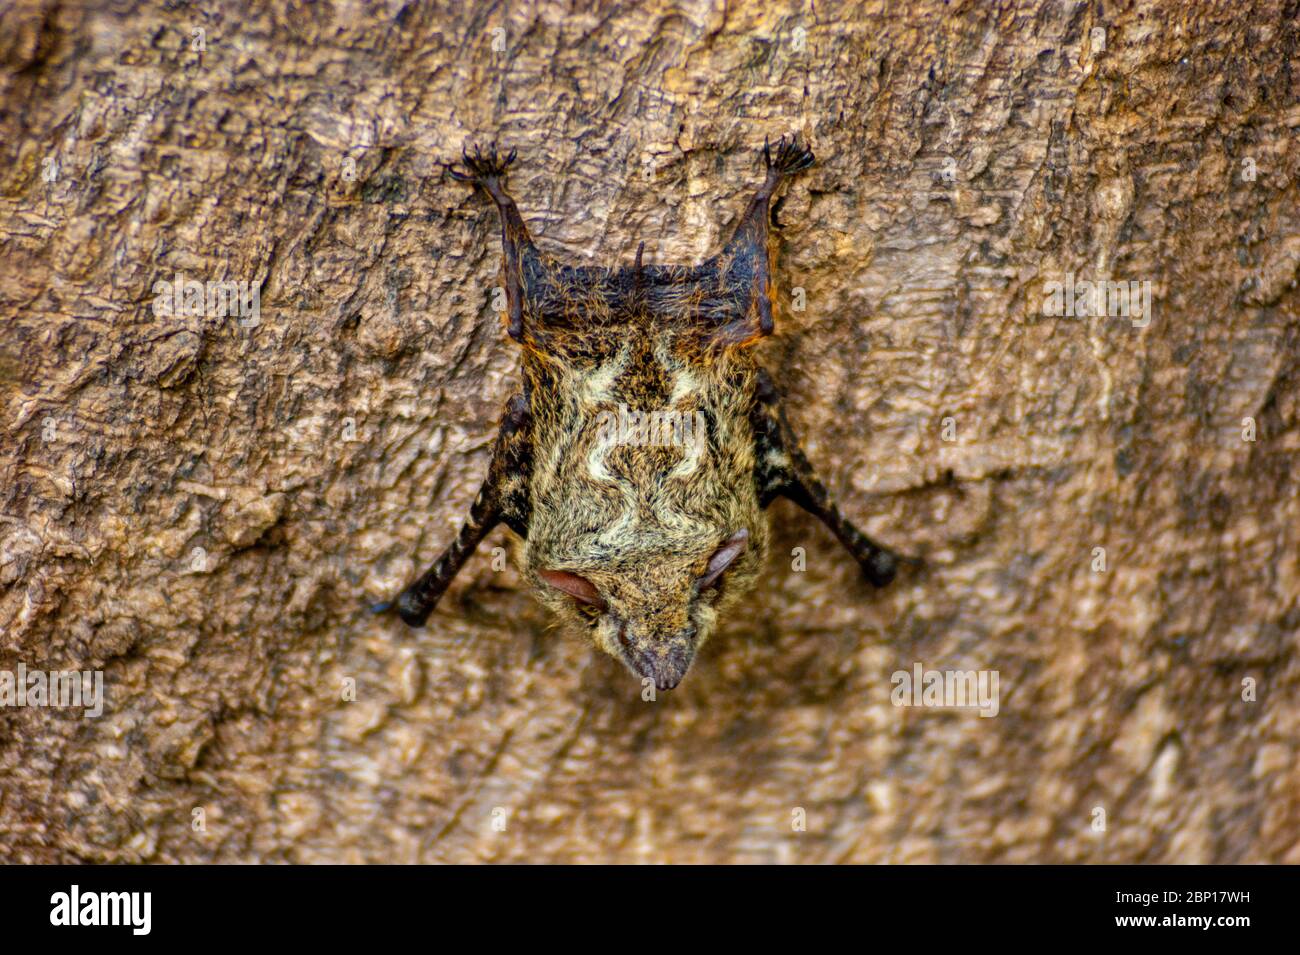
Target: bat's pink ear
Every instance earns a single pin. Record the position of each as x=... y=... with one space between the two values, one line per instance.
x=576 y=586
x=723 y=558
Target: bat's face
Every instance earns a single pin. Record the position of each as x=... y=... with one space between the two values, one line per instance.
x=653 y=603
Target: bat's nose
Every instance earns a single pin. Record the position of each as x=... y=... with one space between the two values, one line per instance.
x=663 y=660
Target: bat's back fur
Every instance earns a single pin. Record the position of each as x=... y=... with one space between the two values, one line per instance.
x=644 y=463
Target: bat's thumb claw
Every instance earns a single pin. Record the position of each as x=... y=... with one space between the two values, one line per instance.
x=880 y=567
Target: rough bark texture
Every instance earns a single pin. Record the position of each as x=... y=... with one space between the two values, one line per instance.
x=203 y=510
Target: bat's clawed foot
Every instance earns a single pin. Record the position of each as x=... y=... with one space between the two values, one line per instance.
x=789 y=157
x=484 y=169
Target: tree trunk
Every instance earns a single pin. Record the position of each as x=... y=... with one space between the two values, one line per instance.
x=201 y=506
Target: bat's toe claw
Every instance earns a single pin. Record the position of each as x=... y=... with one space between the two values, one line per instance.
x=794 y=156
x=483 y=166
x=789 y=156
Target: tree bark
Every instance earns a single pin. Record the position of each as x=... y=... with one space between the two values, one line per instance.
x=202 y=508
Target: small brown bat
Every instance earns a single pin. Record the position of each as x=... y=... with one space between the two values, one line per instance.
x=636 y=464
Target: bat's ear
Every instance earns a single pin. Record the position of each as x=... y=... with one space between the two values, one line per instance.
x=723 y=558
x=576 y=586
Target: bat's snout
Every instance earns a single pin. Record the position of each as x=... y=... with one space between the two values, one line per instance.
x=662 y=660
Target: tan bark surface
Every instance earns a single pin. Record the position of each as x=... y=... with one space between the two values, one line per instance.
x=203 y=510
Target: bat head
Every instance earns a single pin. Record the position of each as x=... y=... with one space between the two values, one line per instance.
x=653 y=605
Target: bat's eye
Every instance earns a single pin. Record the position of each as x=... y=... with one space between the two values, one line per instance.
x=722 y=559
x=578 y=587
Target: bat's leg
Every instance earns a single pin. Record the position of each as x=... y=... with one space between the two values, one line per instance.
x=782 y=470
x=746 y=259
x=502 y=498
x=487 y=172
